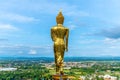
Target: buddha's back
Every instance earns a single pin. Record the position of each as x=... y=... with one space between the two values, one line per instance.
x=59 y=34
x=59 y=31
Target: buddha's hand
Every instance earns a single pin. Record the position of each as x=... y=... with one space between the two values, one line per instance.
x=66 y=49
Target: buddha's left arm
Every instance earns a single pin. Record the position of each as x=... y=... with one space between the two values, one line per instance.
x=67 y=35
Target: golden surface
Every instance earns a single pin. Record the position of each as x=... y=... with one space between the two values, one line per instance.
x=60 y=18
x=63 y=77
x=59 y=35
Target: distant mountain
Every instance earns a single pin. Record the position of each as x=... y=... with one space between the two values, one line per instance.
x=67 y=59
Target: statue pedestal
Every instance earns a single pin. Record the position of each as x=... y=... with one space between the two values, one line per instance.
x=62 y=77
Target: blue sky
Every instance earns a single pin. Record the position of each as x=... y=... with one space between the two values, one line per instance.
x=25 y=27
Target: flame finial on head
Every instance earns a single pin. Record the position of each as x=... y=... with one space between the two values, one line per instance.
x=60 y=10
x=60 y=17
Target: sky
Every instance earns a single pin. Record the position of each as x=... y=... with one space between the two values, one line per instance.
x=25 y=27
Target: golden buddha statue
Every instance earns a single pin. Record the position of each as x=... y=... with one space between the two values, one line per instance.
x=59 y=35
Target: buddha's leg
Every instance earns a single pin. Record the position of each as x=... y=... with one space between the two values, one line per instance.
x=57 y=58
x=55 y=62
x=62 y=61
x=59 y=62
x=62 y=58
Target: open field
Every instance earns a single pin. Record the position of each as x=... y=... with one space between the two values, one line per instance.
x=35 y=69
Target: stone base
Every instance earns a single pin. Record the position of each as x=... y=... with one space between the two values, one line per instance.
x=62 y=77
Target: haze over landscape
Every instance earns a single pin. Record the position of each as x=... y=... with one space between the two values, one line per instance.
x=25 y=27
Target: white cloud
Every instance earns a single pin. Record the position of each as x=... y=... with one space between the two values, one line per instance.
x=33 y=52
x=103 y=47
x=44 y=7
x=7 y=27
x=21 y=49
x=16 y=17
x=77 y=13
x=21 y=18
x=111 y=41
x=8 y=30
x=90 y=41
x=72 y=27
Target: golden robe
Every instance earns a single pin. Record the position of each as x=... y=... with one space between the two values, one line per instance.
x=59 y=35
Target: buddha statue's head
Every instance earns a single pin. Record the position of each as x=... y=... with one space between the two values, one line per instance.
x=60 y=18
